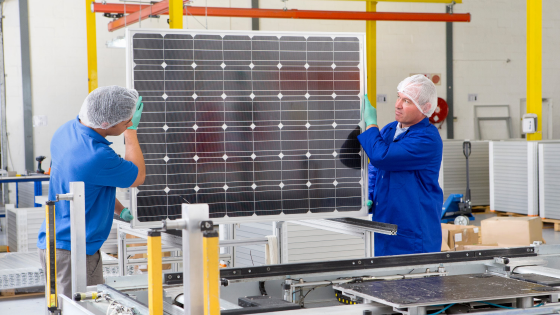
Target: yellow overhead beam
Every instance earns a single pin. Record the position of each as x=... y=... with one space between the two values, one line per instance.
x=371 y=51
x=91 y=47
x=534 y=64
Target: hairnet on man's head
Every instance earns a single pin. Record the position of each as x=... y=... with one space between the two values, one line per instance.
x=107 y=106
x=421 y=91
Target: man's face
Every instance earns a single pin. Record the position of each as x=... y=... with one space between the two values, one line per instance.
x=119 y=128
x=406 y=112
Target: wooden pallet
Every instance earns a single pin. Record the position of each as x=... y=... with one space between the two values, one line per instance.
x=556 y=224
x=508 y=214
x=13 y=294
x=481 y=209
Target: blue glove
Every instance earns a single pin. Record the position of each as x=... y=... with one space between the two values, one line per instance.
x=137 y=114
x=369 y=112
x=125 y=215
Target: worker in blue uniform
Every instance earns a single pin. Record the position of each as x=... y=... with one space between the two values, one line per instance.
x=405 y=159
x=81 y=153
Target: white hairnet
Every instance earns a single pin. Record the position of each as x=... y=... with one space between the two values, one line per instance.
x=421 y=91
x=107 y=106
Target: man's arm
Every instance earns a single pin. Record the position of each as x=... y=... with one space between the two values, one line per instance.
x=118 y=207
x=133 y=153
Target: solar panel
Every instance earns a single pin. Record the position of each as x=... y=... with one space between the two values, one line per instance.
x=258 y=125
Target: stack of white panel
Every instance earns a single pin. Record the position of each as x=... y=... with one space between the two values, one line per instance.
x=514 y=177
x=20 y=270
x=307 y=244
x=26 y=195
x=453 y=173
x=549 y=180
x=23 y=227
x=252 y=255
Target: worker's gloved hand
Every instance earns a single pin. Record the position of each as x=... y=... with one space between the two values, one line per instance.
x=125 y=215
x=137 y=114
x=369 y=114
x=369 y=203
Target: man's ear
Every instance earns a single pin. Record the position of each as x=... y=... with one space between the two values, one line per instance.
x=426 y=107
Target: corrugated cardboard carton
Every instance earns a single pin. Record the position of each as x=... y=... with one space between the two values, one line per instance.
x=459 y=235
x=511 y=231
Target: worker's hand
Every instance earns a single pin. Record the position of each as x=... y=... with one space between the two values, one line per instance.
x=137 y=114
x=125 y=215
x=369 y=203
x=369 y=114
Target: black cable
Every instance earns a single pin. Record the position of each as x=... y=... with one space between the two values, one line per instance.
x=175 y=300
x=262 y=289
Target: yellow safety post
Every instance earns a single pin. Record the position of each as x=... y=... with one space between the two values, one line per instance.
x=211 y=271
x=176 y=14
x=534 y=64
x=371 y=50
x=91 y=47
x=155 y=281
x=51 y=291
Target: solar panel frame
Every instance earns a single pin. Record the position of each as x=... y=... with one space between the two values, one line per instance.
x=135 y=223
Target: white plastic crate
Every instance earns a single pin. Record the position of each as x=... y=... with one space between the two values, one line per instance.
x=23 y=226
x=549 y=180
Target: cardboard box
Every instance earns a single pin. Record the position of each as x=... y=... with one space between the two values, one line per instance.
x=511 y=231
x=459 y=235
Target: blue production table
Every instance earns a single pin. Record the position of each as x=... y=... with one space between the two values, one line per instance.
x=20 y=179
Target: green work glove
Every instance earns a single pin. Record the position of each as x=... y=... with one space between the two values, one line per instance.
x=137 y=114
x=369 y=203
x=125 y=215
x=369 y=113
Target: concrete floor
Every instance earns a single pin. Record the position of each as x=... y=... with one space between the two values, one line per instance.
x=36 y=305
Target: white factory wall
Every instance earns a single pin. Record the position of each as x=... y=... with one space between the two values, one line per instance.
x=482 y=50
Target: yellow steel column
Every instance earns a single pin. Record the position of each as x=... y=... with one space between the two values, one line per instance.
x=155 y=286
x=534 y=64
x=91 y=47
x=371 y=50
x=51 y=290
x=175 y=13
x=211 y=272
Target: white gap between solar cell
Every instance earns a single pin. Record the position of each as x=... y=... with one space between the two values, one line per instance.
x=165 y=127
x=280 y=125
x=306 y=66
x=252 y=96
x=196 y=188
x=333 y=66
x=281 y=155
x=253 y=156
x=333 y=95
x=193 y=65
x=308 y=184
x=251 y=65
x=225 y=187
x=224 y=96
x=196 y=157
x=361 y=182
x=307 y=95
x=279 y=66
x=224 y=126
x=225 y=157
x=166 y=190
x=195 y=126
x=280 y=95
x=335 y=182
x=254 y=186
x=281 y=185
x=163 y=65
x=308 y=154
x=166 y=158
x=253 y=126
x=334 y=154
x=360 y=153
x=194 y=96
x=307 y=125
x=334 y=124
x=164 y=96
x=223 y=65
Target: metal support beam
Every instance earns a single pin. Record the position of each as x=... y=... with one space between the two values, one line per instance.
x=371 y=51
x=163 y=8
x=3 y=130
x=91 y=46
x=255 y=22
x=534 y=64
x=26 y=85
x=449 y=74
x=78 y=237
x=176 y=14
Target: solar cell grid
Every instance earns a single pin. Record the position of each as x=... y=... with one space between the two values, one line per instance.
x=250 y=124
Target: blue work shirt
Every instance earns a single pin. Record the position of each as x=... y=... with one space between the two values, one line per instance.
x=80 y=154
x=404 y=186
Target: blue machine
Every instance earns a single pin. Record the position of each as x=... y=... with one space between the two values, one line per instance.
x=455 y=209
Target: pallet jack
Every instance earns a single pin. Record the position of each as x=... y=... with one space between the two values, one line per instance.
x=457 y=208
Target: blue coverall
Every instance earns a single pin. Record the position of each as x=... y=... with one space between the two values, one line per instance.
x=404 y=186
